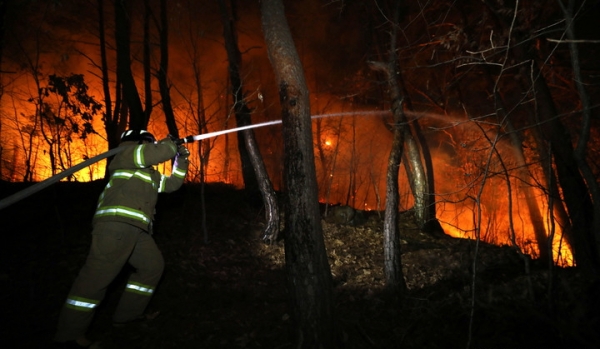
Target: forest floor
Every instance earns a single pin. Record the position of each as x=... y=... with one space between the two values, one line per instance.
x=228 y=289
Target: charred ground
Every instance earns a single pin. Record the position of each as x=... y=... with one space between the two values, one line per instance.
x=230 y=291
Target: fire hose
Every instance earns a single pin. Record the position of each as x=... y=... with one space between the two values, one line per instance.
x=189 y=139
x=49 y=181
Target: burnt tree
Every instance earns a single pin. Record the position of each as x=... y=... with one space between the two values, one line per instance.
x=249 y=151
x=308 y=271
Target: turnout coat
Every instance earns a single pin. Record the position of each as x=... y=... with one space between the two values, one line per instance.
x=134 y=184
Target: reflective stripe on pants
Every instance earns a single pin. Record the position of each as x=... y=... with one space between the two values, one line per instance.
x=113 y=245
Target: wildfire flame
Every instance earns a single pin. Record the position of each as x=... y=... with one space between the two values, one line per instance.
x=351 y=167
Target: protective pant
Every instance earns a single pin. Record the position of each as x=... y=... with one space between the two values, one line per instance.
x=113 y=245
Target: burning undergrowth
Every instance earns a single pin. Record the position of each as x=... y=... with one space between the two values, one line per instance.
x=228 y=289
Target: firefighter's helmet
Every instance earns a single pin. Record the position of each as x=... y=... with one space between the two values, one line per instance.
x=137 y=136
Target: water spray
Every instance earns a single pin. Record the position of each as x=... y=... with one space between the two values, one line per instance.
x=189 y=139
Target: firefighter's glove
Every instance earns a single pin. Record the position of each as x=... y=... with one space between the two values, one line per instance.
x=182 y=151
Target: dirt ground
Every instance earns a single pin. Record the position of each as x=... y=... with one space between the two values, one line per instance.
x=228 y=289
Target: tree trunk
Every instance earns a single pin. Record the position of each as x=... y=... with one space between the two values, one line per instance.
x=163 y=84
x=584 y=136
x=308 y=272
x=148 y=105
x=526 y=185
x=575 y=193
x=419 y=168
x=114 y=120
x=537 y=221
x=321 y=155
x=394 y=276
x=430 y=223
x=417 y=178
x=3 y=12
x=137 y=119
x=110 y=124
x=248 y=143
x=421 y=178
x=205 y=145
x=555 y=204
x=242 y=112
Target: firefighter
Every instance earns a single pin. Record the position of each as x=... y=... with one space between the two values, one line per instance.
x=122 y=233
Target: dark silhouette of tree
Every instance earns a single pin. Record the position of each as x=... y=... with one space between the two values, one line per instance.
x=575 y=193
x=132 y=102
x=504 y=120
x=114 y=120
x=240 y=108
x=146 y=59
x=308 y=272
x=394 y=277
x=62 y=118
x=249 y=151
x=583 y=141
x=418 y=163
x=162 y=73
x=3 y=13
